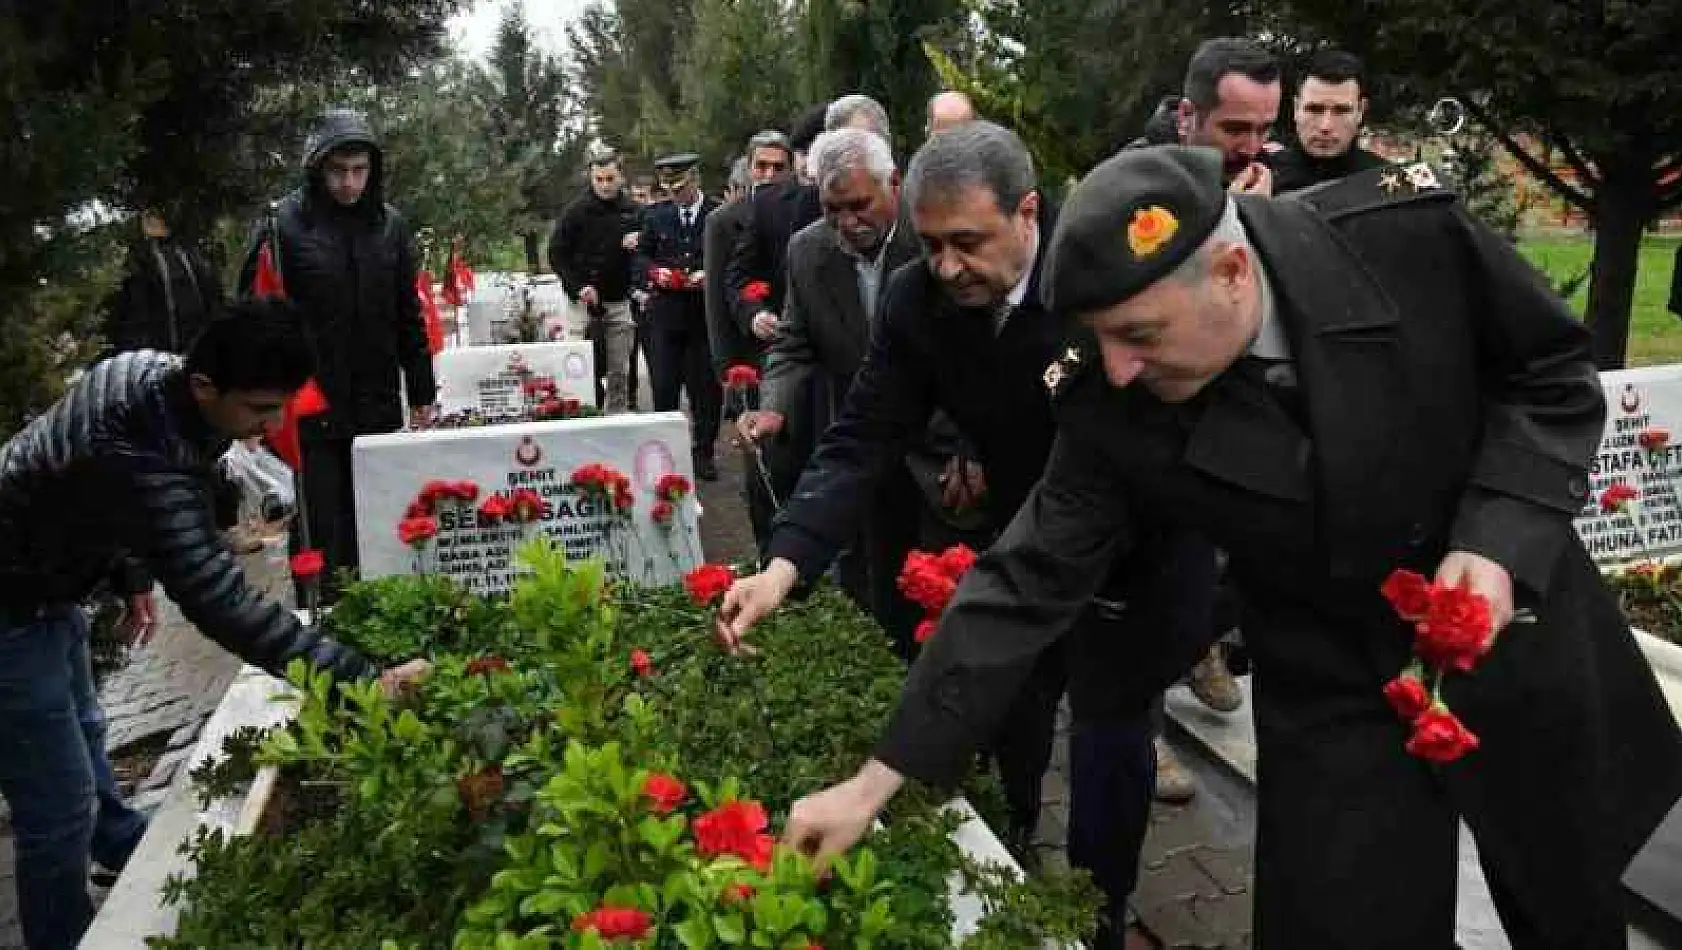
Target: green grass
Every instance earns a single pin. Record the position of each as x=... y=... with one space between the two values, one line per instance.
x=1655 y=333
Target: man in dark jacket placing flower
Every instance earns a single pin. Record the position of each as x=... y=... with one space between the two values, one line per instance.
x=346 y=260
x=124 y=465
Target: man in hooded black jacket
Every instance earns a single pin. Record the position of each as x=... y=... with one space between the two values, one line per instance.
x=349 y=268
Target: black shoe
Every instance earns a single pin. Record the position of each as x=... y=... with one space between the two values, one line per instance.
x=706 y=469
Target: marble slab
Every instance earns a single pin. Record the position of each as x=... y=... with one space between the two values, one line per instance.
x=490 y=379
x=390 y=470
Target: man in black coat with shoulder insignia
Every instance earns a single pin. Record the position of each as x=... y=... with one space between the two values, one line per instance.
x=1332 y=389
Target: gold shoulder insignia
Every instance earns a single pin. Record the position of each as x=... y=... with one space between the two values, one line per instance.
x=1421 y=176
x=1062 y=370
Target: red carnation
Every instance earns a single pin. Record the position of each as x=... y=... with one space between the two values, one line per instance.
x=925 y=583
x=956 y=560
x=1440 y=736
x=642 y=663
x=623 y=500
x=1617 y=495
x=588 y=476
x=663 y=792
x=308 y=564
x=527 y=504
x=708 y=583
x=661 y=513
x=435 y=490
x=756 y=291
x=419 y=508
x=465 y=490
x=1457 y=629
x=570 y=406
x=549 y=408
x=925 y=629
x=1407 y=696
x=487 y=665
x=1409 y=594
x=416 y=531
x=735 y=828
x=1653 y=437
x=615 y=923
x=672 y=487
x=741 y=377
x=495 y=508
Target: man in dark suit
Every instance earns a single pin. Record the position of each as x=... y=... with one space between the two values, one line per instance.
x=1332 y=388
x=768 y=163
x=730 y=343
x=837 y=266
x=965 y=332
x=669 y=266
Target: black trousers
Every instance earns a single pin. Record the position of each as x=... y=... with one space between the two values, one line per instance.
x=785 y=457
x=869 y=570
x=680 y=360
x=331 y=501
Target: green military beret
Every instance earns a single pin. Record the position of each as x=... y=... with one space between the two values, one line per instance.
x=1130 y=222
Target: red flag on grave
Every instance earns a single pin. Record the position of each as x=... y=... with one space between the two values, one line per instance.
x=266 y=284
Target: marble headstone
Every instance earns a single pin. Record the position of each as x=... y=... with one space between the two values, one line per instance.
x=489 y=378
x=390 y=470
x=1641 y=449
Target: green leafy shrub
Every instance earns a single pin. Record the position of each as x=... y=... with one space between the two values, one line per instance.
x=505 y=801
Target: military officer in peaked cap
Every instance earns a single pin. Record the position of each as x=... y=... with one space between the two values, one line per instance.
x=669 y=266
x=1330 y=389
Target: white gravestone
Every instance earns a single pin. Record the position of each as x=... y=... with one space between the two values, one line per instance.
x=390 y=470
x=489 y=378
x=549 y=304
x=1643 y=405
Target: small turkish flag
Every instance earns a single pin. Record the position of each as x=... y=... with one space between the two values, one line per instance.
x=429 y=313
x=266 y=284
x=307 y=401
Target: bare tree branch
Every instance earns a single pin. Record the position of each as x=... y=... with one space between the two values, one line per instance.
x=1531 y=163
x=1573 y=158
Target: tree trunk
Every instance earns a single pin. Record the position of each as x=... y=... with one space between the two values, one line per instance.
x=534 y=261
x=1623 y=206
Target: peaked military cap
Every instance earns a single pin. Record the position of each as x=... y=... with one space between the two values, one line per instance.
x=680 y=162
x=1130 y=222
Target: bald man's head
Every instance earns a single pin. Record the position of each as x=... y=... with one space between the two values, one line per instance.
x=949 y=109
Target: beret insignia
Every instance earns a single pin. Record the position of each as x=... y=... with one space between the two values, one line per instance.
x=1150 y=229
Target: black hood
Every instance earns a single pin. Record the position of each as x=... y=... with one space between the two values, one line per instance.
x=340 y=127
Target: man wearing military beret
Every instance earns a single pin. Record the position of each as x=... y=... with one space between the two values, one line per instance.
x=1331 y=389
x=669 y=266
